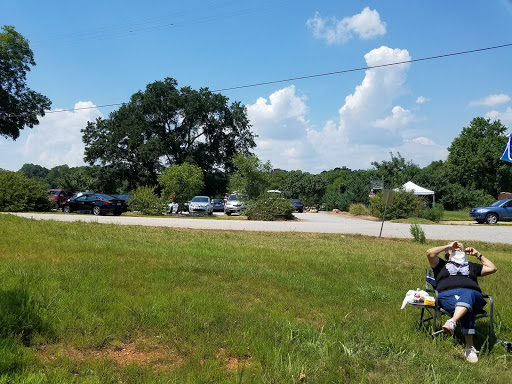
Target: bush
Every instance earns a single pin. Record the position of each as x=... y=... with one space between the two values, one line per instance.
x=417 y=233
x=359 y=210
x=19 y=193
x=269 y=209
x=433 y=214
x=146 y=201
x=405 y=204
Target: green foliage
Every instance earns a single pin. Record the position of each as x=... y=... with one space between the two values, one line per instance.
x=396 y=172
x=146 y=201
x=356 y=192
x=417 y=233
x=268 y=208
x=18 y=193
x=305 y=186
x=474 y=158
x=183 y=181
x=359 y=209
x=34 y=171
x=164 y=125
x=183 y=305
x=457 y=197
x=252 y=177
x=20 y=106
x=433 y=214
x=405 y=205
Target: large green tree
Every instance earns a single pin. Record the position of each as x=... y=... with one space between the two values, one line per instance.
x=181 y=182
x=474 y=157
x=163 y=126
x=252 y=177
x=19 y=105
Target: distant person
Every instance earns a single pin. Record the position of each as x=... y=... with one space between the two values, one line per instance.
x=459 y=293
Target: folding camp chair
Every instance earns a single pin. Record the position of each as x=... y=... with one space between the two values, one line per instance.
x=435 y=312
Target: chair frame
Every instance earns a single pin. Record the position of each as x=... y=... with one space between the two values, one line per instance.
x=432 y=313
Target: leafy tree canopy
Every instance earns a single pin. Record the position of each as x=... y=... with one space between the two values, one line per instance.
x=396 y=172
x=182 y=182
x=19 y=105
x=163 y=126
x=474 y=157
x=251 y=177
x=34 y=171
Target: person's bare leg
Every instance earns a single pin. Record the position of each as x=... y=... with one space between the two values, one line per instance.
x=458 y=313
x=469 y=340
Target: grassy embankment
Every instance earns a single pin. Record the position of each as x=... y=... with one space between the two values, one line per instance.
x=93 y=303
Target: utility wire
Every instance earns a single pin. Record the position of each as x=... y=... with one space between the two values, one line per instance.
x=303 y=77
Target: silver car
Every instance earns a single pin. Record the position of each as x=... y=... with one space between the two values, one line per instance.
x=235 y=203
x=200 y=204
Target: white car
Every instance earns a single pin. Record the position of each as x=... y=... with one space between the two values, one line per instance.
x=172 y=207
x=200 y=204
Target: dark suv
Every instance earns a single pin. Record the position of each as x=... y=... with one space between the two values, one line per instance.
x=59 y=197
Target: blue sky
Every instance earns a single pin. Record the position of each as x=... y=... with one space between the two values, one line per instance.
x=98 y=53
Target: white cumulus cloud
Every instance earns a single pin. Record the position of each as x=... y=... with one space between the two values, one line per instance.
x=399 y=117
x=491 y=100
x=57 y=139
x=421 y=100
x=505 y=117
x=282 y=116
x=366 y=25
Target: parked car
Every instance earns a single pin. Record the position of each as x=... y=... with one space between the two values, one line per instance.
x=200 y=204
x=172 y=207
x=297 y=204
x=97 y=203
x=218 y=205
x=126 y=198
x=59 y=197
x=499 y=210
x=236 y=203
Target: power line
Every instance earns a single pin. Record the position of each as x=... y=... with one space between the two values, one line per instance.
x=304 y=77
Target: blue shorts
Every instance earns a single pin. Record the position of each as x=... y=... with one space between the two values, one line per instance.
x=463 y=297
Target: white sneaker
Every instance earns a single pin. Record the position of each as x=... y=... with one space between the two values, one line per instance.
x=471 y=355
x=449 y=326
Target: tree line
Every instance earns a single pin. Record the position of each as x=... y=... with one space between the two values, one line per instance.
x=198 y=136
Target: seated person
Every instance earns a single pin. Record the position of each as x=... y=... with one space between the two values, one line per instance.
x=459 y=293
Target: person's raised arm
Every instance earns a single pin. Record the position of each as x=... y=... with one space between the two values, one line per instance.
x=488 y=266
x=432 y=253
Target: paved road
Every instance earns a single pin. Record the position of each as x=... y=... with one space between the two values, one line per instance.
x=307 y=222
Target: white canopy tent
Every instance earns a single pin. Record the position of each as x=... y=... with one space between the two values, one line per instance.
x=417 y=190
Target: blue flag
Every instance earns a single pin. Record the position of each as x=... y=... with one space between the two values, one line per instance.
x=507 y=153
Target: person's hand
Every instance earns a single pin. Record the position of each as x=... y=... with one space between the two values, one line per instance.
x=454 y=245
x=471 y=251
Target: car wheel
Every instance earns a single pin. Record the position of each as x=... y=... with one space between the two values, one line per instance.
x=491 y=218
x=96 y=210
x=56 y=206
x=66 y=209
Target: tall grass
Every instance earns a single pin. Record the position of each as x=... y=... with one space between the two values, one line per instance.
x=97 y=303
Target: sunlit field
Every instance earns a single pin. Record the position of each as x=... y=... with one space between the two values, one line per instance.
x=93 y=303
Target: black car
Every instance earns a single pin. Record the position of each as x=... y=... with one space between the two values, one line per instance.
x=97 y=203
x=297 y=204
x=218 y=205
x=126 y=198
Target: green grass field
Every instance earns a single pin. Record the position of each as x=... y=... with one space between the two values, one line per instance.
x=92 y=303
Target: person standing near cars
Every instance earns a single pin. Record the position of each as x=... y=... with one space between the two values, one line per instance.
x=459 y=293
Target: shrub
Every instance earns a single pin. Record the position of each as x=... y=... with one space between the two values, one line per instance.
x=434 y=213
x=417 y=233
x=359 y=210
x=268 y=209
x=19 y=193
x=405 y=204
x=146 y=201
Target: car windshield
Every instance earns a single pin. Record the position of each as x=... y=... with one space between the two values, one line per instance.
x=200 y=199
x=295 y=201
x=237 y=197
x=497 y=203
x=217 y=201
x=53 y=193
